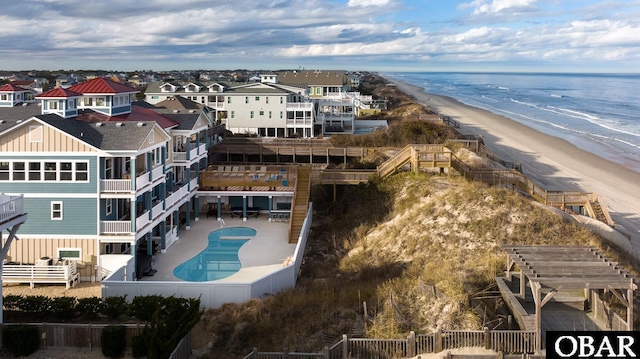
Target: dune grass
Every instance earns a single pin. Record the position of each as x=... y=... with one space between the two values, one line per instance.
x=415 y=249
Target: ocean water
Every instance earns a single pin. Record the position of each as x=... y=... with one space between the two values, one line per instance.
x=599 y=113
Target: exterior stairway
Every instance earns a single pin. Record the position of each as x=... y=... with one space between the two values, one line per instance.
x=300 y=203
x=598 y=213
x=398 y=160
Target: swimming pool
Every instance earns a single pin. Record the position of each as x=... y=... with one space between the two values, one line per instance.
x=220 y=258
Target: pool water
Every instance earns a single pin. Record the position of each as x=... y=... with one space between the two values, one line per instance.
x=220 y=258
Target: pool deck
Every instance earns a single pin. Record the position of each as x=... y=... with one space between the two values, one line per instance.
x=263 y=254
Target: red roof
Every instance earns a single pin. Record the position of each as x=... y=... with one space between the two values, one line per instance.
x=101 y=85
x=58 y=93
x=11 y=88
x=22 y=83
x=137 y=114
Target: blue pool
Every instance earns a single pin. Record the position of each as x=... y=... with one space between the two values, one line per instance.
x=220 y=258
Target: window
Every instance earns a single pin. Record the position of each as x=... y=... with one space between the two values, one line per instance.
x=66 y=171
x=88 y=101
x=281 y=100
x=34 y=171
x=233 y=114
x=228 y=99
x=50 y=171
x=154 y=97
x=318 y=90
x=269 y=114
x=35 y=133
x=70 y=253
x=53 y=105
x=246 y=99
x=266 y=99
x=261 y=113
x=108 y=206
x=19 y=171
x=4 y=171
x=280 y=114
x=251 y=114
x=108 y=168
x=108 y=248
x=257 y=98
x=82 y=171
x=100 y=101
x=56 y=211
x=4 y=97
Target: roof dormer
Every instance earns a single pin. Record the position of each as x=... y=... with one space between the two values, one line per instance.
x=61 y=102
x=11 y=95
x=169 y=87
x=216 y=87
x=193 y=87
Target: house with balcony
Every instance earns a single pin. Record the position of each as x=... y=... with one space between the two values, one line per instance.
x=102 y=178
x=267 y=109
x=329 y=91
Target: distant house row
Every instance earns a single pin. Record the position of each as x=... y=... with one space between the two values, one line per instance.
x=100 y=172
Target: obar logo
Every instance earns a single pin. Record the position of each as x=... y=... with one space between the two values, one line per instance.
x=592 y=344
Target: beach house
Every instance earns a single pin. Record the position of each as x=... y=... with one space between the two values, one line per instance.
x=267 y=109
x=103 y=179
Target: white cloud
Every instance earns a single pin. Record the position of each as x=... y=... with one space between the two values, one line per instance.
x=368 y=2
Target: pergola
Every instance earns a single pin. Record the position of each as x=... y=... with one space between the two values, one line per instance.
x=568 y=267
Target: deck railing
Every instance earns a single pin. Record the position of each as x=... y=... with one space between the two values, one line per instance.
x=66 y=273
x=503 y=341
x=115 y=227
x=11 y=206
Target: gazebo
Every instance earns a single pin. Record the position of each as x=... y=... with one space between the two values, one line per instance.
x=568 y=267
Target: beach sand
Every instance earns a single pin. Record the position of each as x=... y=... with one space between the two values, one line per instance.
x=551 y=162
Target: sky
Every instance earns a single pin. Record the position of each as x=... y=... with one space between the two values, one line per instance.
x=367 y=35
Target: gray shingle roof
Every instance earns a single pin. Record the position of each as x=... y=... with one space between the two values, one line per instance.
x=20 y=112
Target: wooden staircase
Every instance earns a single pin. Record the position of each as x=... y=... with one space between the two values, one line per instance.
x=398 y=160
x=300 y=203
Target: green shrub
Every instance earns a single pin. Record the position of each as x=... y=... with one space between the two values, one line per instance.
x=20 y=340
x=37 y=304
x=113 y=341
x=144 y=307
x=12 y=302
x=90 y=307
x=115 y=307
x=138 y=346
x=63 y=307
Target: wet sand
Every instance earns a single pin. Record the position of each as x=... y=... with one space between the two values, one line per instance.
x=550 y=162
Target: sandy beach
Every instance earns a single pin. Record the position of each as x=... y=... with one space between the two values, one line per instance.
x=551 y=162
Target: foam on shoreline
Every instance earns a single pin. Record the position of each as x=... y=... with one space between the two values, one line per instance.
x=551 y=162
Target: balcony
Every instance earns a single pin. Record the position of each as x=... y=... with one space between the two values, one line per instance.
x=10 y=207
x=115 y=185
x=115 y=227
x=142 y=220
x=193 y=185
x=300 y=106
x=157 y=210
x=191 y=155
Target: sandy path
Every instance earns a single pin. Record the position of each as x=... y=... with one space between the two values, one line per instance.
x=551 y=162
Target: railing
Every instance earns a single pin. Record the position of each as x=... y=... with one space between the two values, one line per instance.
x=179 y=156
x=171 y=236
x=157 y=210
x=64 y=273
x=193 y=184
x=300 y=106
x=300 y=121
x=504 y=341
x=142 y=220
x=11 y=206
x=157 y=173
x=115 y=185
x=115 y=227
x=142 y=180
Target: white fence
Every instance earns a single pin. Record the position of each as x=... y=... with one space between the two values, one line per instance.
x=66 y=273
x=212 y=294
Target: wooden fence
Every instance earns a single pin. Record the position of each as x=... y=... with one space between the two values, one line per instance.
x=501 y=341
x=88 y=336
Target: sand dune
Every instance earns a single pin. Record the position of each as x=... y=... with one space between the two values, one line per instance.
x=551 y=162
